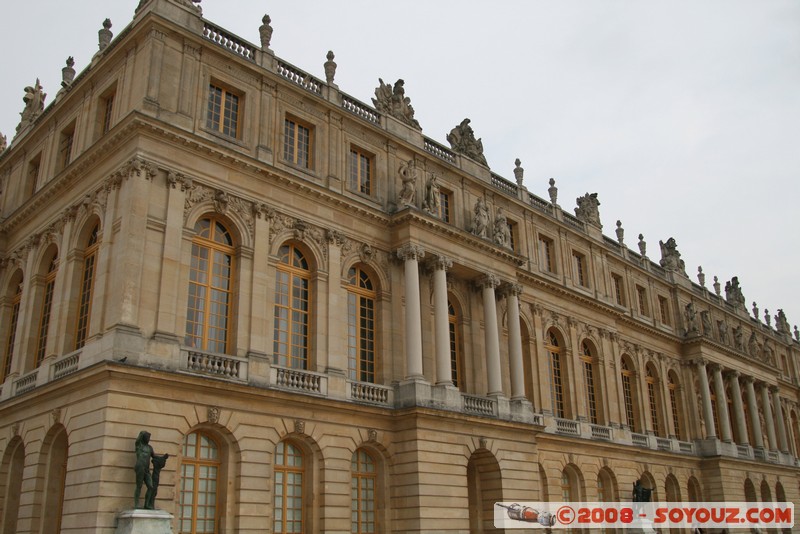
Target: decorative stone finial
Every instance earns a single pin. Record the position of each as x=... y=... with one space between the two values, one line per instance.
x=265 y=32
x=587 y=210
x=620 y=233
x=716 y=286
x=330 y=68
x=767 y=318
x=518 y=171
x=392 y=100
x=34 y=105
x=701 y=276
x=642 y=246
x=462 y=140
x=755 y=310
x=68 y=72
x=553 y=192
x=104 y=35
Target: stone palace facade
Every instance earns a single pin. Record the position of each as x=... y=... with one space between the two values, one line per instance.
x=333 y=323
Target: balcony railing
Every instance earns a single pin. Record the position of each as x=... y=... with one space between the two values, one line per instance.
x=66 y=365
x=640 y=440
x=302 y=381
x=601 y=432
x=237 y=45
x=360 y=109
x=568 y=427
x=663 y=444
x=25 y=383
x=439 y=151
x=374 y=393
x=299 y=77
x=686 y=447
x=478 y=405
x=220 y=365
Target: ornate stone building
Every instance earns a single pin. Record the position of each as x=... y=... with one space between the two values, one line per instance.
x=333 y=323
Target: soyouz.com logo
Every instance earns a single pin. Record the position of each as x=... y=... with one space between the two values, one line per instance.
x=646 y=516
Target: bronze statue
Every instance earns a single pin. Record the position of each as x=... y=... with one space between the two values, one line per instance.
x=144 y=454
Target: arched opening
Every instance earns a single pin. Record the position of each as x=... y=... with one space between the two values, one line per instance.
x=572 y=489
x=554 y=346
x=45 y=293
x=629 y=394
x=361 y=325
x=10 y=484
x=591 y=381
x=653 y=400
x=607 y=490
x=750 y=491
x=766 y=494
x=672 y=489
x=484 y=488
x=292 y=320
x=648 y=482
x=56 y=450
x=675 y=404
x=693 y=490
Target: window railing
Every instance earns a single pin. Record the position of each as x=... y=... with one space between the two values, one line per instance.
x=568 y=427
x=600 y=432
x=360 y=109
x=366 y=392
x=663 y=444
x=743 y=451
x=66 y=365
x=297 y=380
x=686 y=447
x=640 y=440
x=299 y=77
x=478 y=405
x=237 y=45
x=220 y=365
x=25 y=383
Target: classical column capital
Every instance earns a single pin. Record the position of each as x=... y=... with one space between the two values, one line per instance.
x=747 y=379
x=731 y=373
x=700 y=362
x=439 y=263
x=714 y=367
x=487 y=281
x=773 y=389
x=511 y=289
x=410 y=251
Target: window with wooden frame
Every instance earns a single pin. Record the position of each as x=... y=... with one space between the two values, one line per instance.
x=105 y=110
x=651 y=381
x=289 y=488
x=209 y=307
x=641 y=296
x=618 y=289
x=546 y=254
x=199 y=497
x=292 y=308
x=32 y=179
x=361 y=298
x=714 y=411
x=581 y=276
x=65 y=145
x=361 y=171
x=223 y=110
x=628 y=396
x=663 y=309
x=298 y=142
x=556 y=375
x=588 y=363
x=672 y=387
x=445 y=199
x=87 y=287
x=363 y=489
x=47 y=307
x=11 y=335
x=455 y=344
x=513 y=235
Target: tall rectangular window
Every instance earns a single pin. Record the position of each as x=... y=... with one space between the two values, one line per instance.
x=34 y=165
x=87 y=288
x=546 y=254
x=444 y=205
x=361 y=298
x=297 y=143
x=360 y=171
x=663 y=308
x=106 y=108
x=223 y=111
x=641 y=296
x=47 y=306
x=579 y=264
x=16 y=300
x=65 y=146
x=512 y=235
x=618 y=289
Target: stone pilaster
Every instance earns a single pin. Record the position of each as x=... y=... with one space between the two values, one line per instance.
x=488 y=284
x=411 y=254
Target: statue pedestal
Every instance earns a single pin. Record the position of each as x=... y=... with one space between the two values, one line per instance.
x=144 y=522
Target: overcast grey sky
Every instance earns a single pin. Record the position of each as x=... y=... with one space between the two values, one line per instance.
x=684 y=116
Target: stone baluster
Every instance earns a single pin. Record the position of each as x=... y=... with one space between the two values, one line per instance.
x=488 y=284
x=752 y=409
x=722 y=404
x=738 y=408
x=411 y=254
x=444 y=371
x=705 y=392
x=512 y=293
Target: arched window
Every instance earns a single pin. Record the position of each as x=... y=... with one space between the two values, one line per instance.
x=362 y=491
x=628 y=396
x=766 y=494
x=672 y=489
x=570 y=484
x=11 y=484
x=455 y=344
x=13 y=321
x=199 y=478
x=651 y=379
x=606 y=489
x=292 y=310
x=693 y=491
x=556 y=374
x=361 y=298
x=750 y=491
x=289 y=474
x=590 y=382
x=47 y=307
x=208 y=312
x=87 y=287
x=674 y=404
x=55 y=479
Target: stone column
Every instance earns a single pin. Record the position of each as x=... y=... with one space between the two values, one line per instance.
x=738 y=408
x=705 y=393
x=487 y=284
x=752 y=409
x=441 y=321
x=722 y=404
x=512 y=293
x=783 y=443
x=768 y=419
x=411 y=254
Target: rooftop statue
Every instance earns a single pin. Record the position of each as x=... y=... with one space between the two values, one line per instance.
x=733 y=293
x=587 y=210
x=34 y=105
x=393 y=101
x=670 y=257
x=781 y=323
x=462 y=140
